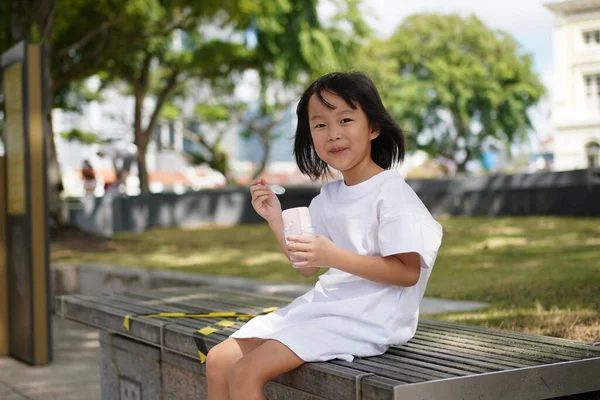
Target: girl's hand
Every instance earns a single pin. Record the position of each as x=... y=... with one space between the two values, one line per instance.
x=312 y=251
x=264 y=201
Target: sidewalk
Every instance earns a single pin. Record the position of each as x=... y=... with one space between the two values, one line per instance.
x=73 y=374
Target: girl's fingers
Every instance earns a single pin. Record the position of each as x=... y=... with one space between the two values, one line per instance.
x=302 y=264
x=259 y=188
x=304 y=247
x=300 y=239
x=254 y=188
x=298 y=257
x=260 y=193
x=260 y=199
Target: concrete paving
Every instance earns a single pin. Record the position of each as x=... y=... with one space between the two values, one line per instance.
x=73 y=374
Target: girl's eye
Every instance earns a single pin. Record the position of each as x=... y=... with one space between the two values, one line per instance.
x=346 y=120
x=319 y=126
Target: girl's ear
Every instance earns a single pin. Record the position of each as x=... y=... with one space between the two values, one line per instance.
x=374 y=134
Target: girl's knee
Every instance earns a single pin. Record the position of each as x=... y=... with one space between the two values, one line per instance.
x=244 y=383
x=218 y=362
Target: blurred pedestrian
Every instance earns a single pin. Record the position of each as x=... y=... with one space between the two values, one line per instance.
x=89 y=177
x=123 y=155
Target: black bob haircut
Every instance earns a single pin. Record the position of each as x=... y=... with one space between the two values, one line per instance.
x=356 y=89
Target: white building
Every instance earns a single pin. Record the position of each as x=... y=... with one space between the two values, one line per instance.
x=576 y=90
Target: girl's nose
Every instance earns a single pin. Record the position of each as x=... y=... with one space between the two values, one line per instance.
x=334 y=136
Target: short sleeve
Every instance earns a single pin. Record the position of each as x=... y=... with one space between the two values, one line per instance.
x=315 y=210
x=410 y=233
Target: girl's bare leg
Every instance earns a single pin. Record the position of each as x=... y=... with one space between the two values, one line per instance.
x=259 y=366
x=220 y=360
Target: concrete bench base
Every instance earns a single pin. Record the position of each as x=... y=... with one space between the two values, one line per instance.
x=134 y=371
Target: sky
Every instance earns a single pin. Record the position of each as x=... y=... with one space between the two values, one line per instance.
x=527 y=20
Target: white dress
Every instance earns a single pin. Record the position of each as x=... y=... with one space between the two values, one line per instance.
x=345 y=316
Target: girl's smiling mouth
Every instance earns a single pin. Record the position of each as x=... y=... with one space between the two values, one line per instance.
x=337 y=150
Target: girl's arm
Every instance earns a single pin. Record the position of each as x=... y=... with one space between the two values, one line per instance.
x=399 y=269
x=276 y=226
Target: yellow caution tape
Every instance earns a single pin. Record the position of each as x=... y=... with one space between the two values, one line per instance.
x=207 y=330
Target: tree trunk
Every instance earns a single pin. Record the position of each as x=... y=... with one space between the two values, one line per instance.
x=265 y=159
x=143 y=170
x=219 y=158
x=140 y=136
x=139 y=139
x=220 y=162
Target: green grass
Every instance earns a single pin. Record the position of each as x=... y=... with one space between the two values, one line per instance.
x=539 y=274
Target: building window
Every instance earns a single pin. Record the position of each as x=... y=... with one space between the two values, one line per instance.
x=592 y=151
x=592 y=92
x=591 y=37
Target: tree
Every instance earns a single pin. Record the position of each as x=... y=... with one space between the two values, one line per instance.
x=290 y=46
x=72 y=50
x=180 y=51
x=455 y=85
x=294 y=46
x=216 y=118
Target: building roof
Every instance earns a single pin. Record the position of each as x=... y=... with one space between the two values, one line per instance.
x=569 y=6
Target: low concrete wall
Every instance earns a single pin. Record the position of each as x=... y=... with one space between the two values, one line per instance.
x=569 y=193
x=94 y=279
x=115 y=213
x=574 y=193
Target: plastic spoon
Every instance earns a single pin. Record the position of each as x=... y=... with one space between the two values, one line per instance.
x=277 y=189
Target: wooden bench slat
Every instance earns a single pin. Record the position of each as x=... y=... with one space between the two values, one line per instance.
x=208 y=305
x=494 y=340
x=221 y=295
x=331 y=380
x=432 y=362
x=466 y=348
x=484 y=364
x=469 y=354
x=506 y=333
x=213 y=289
x=542 y=353
x=424 y=374
x=375 y=370
x=504 y=350
x=87 y=310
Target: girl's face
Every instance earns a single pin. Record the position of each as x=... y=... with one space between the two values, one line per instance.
x=342 y=136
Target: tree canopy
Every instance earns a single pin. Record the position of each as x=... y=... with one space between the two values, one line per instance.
x=455 y=85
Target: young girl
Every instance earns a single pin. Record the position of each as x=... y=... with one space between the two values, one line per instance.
x=374 y=234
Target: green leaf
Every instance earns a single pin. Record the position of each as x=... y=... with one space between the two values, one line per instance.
x=76 y=135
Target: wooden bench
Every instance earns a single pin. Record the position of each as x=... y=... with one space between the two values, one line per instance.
x=157 y=358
